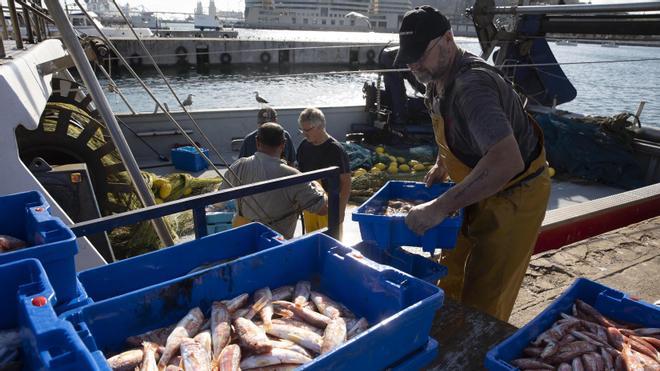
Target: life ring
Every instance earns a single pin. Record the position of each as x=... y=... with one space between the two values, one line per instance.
x=265 y=57
x=135 y=60
x=371 y=54
x=225 y=58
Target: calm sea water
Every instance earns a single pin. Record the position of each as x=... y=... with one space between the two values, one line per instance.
x=603 y=89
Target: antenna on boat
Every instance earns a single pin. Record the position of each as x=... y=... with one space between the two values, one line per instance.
x=96 y=91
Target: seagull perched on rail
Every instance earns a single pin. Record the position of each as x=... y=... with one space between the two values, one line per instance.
x=188 y=101
x=260 y=99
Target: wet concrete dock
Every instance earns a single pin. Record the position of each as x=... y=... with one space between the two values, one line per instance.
x=626 y=259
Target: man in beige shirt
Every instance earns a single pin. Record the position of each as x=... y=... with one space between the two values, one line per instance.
x=279 y=208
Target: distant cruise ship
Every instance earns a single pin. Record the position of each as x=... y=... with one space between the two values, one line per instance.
x=347 y=15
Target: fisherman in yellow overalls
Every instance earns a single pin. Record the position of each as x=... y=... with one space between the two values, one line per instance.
x=494 y=152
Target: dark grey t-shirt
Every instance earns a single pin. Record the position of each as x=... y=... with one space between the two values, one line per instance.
x=479 y=110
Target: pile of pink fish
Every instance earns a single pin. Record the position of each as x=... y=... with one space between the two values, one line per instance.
x=275 y=330
x=587 y=340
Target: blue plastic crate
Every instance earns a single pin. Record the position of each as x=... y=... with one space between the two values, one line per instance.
x=391 y=231
x=80 y=300
x=187 y=158
x=216 y=217
x=219 y=227
x=611 y=303
x=159 y=266
x=47 y=342
x=418 y=360
x=400 y=307
x=27 y=216
x=413 y=264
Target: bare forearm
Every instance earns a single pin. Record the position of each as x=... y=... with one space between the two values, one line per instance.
x=488 y=177
x=438 y=159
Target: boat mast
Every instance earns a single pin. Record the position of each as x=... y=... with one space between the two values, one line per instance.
x=89 y=78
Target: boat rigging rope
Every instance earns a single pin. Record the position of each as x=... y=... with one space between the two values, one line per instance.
x=160 y=105
x=200 y=130
x=321 y=47
x=390 y=70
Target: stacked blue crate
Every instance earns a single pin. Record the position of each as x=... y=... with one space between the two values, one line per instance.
x=27 y=216
x=46 y=342
x=399 y=307
x=187 y=158
x=219 y=220
x=391 y=232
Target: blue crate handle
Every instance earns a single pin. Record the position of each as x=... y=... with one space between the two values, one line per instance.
x=48 y=342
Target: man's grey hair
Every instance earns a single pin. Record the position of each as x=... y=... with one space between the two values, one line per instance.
x=313 y=116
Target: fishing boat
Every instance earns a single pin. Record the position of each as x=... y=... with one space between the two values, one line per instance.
x=90 y=27
x=56 y=127
x=61 y=134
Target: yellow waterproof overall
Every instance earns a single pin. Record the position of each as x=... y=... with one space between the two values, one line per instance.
x=239 y=220
x=315 y=222
x=495 y=245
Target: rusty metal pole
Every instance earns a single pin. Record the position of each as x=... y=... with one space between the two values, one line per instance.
x=3 y=23
x=28 y=24
x=15 y=25
x=43 y=22
x=70 y=40
x=37 y=23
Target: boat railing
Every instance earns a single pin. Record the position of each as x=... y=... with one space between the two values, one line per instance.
x=198 y=204
x=34 y=18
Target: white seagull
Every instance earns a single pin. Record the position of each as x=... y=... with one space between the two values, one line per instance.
x=188 y=101
x=260 y=99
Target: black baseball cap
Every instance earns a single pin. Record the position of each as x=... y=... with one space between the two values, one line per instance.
x=266 y=114
x=270 y=134
x=418 y=27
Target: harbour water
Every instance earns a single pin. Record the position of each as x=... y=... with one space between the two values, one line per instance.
x=603 y=88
